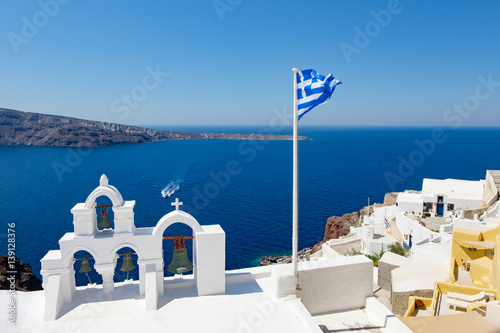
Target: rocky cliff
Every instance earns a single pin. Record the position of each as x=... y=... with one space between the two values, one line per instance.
x=337 y=226
x=25 y=128
x=24 y=279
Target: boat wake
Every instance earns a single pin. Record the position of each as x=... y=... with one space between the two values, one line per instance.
x=171 y=188
x=180 y=174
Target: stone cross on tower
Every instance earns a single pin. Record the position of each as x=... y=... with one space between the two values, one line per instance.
x=176 y=203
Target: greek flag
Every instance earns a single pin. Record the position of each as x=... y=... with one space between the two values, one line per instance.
x=387 y=225
x=313 y=89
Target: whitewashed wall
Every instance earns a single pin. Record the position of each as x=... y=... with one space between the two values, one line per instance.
x=381 y=212
x=335 y=284
x=407 y=226
x=410 y=206
x=438 y=248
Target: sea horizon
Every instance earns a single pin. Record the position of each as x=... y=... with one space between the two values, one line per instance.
x=305 y=127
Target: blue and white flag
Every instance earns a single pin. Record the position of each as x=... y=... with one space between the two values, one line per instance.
x=387 y=225
x=313 y=89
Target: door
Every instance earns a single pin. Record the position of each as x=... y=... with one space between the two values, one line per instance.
x=440 y=209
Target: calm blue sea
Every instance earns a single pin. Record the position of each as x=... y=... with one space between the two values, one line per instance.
x=339 y=170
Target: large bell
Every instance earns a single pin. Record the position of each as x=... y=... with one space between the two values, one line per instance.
x=127 y=265
x=85 y=268
x=104 y=222
x=180 y=262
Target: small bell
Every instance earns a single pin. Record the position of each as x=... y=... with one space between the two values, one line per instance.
x=104 y=219
x=104 y=222
x=85 y=268
x=127 y=265
x=180 y=262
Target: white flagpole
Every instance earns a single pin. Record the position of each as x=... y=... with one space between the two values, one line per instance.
x=295 y=237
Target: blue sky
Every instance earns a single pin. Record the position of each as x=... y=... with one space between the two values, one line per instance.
x=403 y=63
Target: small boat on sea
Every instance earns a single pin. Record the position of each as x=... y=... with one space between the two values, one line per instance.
x=170 y=189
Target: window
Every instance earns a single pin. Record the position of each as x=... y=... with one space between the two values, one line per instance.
x=429 y=205
x=451 y=206
x=440 y=198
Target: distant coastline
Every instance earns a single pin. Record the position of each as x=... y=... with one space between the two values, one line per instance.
x=26 y=128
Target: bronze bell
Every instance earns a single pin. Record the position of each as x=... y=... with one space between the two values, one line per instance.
x=85 y=267
x=180 y=262
x=104 y=222
x=104 y=217
x=127 y=265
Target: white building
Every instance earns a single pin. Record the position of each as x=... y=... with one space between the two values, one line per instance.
x=442 y=197
x=376 y=232
x=436 y=246
x=411 y=202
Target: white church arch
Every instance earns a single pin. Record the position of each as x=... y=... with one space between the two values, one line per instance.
x=68 y=259
x=121 y=246
x=176 y=216
x=107 y=190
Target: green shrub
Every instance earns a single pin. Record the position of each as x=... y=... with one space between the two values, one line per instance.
x=398 y=249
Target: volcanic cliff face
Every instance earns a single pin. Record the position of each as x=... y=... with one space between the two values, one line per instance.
x=24 y=279
x=25 y=128
x=337 y=226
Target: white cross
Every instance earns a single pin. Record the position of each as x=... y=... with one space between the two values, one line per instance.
x=176 y=203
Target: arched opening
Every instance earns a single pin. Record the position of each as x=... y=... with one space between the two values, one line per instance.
x=126 y=265
x=85 y=273
x=105 y=214
x=177 y=229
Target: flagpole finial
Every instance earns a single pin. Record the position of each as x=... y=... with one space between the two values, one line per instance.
x=295 y=69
